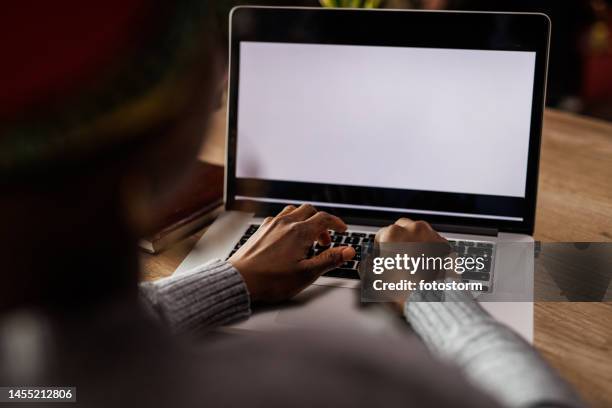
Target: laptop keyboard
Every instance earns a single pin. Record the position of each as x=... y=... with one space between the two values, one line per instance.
x=476 y=249
x=348 y=270
x=360 y=241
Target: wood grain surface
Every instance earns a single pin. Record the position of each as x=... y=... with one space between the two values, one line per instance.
x=574 y=204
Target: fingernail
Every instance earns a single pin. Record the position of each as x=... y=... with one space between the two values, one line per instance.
x=348 y=253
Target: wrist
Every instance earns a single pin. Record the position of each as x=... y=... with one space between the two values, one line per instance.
x=248 y=278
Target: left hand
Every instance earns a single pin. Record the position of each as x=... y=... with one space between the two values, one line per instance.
x=272 y=262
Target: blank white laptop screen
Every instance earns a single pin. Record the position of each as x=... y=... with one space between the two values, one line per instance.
x=447 y=120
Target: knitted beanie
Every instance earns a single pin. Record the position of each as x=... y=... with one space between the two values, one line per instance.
x=79 y=76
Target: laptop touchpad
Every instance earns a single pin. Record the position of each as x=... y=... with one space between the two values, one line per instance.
x=331 y=308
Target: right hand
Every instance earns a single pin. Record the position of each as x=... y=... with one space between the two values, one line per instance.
x=272 y=262
x=407 y=230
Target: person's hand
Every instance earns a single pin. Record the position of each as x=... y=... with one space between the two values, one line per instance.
x=272 y=262
x=409 y=231
x=406 y=230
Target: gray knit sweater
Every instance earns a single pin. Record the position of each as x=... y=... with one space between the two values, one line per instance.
x=459 y=331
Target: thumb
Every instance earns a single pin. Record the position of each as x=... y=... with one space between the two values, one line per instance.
x=328 y=260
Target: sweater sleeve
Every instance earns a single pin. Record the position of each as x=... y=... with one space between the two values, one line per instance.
x=211 y=295
x=491 y=355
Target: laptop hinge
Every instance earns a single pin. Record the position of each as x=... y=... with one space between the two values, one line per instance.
x=466 y=229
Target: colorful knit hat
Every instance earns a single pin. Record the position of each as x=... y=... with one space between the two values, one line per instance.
x=77 y=77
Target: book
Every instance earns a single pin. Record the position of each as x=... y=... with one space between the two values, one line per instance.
x=196 y=204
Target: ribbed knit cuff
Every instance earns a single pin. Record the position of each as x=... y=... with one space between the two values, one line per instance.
x=211 y=295
x=494 y=358
x=437 y=318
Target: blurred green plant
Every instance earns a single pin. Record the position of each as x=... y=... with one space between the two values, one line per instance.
x=351 y=3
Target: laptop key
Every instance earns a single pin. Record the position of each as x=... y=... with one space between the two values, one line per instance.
x=487 y=245
x=487 y=265
x=352 y=240
x=479 y=276
x=310 y=253
x=459 y=250
x=251 y=230
x=476 y=251
x=342 y=273
x=337 y=238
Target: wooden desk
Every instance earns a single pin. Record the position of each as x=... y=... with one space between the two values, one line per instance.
x=574 y=204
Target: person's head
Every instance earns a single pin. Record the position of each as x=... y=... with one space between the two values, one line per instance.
x=102 y=110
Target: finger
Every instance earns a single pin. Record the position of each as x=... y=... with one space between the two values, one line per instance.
x=424 y=230
x=326 y=261
x=324 y=239
x=415 y=227
x=391 y=233
x=404 y=222
x=321 y=222
x=287 y=210
x=439 y=238
x=266 y=221
x=303 y=212
x=380 y=234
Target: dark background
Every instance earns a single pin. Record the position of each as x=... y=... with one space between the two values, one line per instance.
x=580 y=69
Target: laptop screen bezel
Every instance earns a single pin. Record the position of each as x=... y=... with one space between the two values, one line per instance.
x=406 y=28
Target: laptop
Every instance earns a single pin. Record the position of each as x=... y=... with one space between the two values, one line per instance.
x=373 y=115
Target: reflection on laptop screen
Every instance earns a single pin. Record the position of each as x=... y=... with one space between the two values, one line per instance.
x=432 y=119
